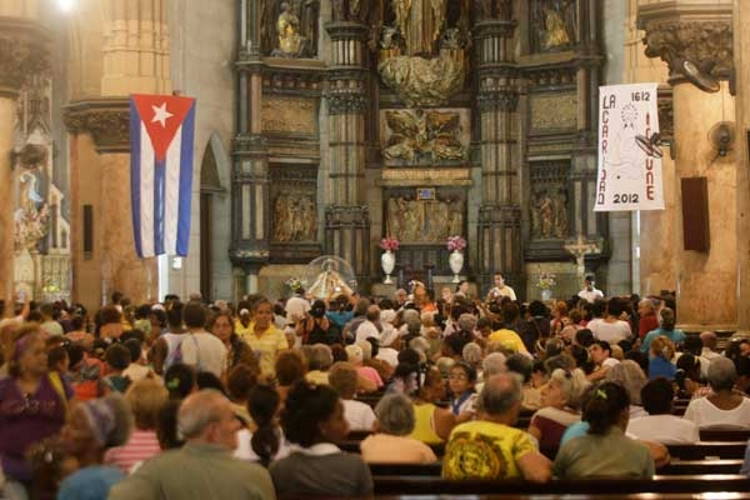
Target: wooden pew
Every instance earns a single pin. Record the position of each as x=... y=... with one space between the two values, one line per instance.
x=677 y=468
x=708 y=450
x=423 y=485
x=725 y=434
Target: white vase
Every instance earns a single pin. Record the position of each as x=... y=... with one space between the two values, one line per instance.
x=388 y=263
x=456 y=263
x=546 y=295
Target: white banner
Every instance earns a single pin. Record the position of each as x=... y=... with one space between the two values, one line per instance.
x=629 y=176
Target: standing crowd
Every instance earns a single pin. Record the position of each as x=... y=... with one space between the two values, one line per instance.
x=183 y=399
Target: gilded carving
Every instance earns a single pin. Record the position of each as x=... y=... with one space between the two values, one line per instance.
x=426 y=176
x=31 y=215
x=553 y=24
x=709 y=45
x=108 y=122
x=289 y=28
x=424 y=221
x=289 y=114
x=294 y=218
x=553 y=111
x=422 y=55
x=414 y=135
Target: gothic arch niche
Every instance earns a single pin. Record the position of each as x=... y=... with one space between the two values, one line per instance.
x=211 y=194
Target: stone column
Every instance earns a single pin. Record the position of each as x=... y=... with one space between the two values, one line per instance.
x=347 y=221
x=250 y=181
x=708 y=285
x=499 y=235
x=23 y=54
x=127 y=53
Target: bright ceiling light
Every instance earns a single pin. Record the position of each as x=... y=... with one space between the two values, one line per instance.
x=66 y=5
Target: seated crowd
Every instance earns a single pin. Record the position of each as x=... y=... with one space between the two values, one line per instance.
x=260 y=399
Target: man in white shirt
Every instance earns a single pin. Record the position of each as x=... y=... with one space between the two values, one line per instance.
x=368 y=328
x=600 y=353
x=590 y=293
x=297 y=306
x=660 y=425
x=500 y=289
x=708 y=352
x=200 y=349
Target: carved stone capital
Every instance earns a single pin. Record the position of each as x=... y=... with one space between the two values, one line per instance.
x=23 y=54
x=107 y=120
x=699 y=32
x=345 y=30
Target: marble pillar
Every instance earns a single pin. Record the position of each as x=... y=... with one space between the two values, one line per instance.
x=707 y=283
x=499 y=234
x=23 y=54
x=115 y=50
x=347 y=220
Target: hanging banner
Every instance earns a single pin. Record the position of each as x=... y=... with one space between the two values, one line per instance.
x=629 y=175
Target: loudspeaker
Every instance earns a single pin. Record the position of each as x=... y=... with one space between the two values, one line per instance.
x=695 y=230
x=88 y=231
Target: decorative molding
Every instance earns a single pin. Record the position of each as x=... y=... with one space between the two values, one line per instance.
x=290 y=115
x=707 y=44
x=107 y=120
x=342 y=103
x=552 y=112
x=24 y=53
x=666 y=113
x=506 y=101
x=547 y=76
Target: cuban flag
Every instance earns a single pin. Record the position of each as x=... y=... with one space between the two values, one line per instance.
x=161 y=172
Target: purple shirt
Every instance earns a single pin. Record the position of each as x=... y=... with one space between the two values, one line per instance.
x=25 y=421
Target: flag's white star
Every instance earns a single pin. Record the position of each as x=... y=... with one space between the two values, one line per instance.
x=161 y=114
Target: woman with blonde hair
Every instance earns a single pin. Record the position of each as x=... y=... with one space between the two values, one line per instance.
x=660 y=363
x=146 y=398
x=561 y=398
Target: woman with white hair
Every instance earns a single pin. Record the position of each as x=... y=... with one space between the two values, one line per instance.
x=560 y=407
x=629 y=375
x=723 y=407
x=395 y=421
x=355 y=356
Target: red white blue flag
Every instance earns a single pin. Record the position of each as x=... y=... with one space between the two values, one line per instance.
x=161 y=172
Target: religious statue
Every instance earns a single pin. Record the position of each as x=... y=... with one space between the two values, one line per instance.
x=424 y=221
x=413 y=135
x=553 y=24
x=546 y=216
x=550 y=215
x=420 y=23
x=289 y=28
x=561 y=214
x=294 y=218
x=329 y=283
x=32 y=214
x=350 y=10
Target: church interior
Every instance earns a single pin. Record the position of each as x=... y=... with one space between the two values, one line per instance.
x=419 y=247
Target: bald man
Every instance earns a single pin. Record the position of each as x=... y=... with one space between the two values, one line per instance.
x=204 y=466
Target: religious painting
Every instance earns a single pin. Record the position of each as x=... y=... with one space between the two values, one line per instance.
x=550 y=204
x=294 y=204
x=289 y=28
x=415 y=220
x=552 y=25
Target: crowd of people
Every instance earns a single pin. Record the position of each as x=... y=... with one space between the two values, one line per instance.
x=184 y=399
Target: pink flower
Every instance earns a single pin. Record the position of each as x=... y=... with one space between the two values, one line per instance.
x=389 y=244
x=456 y=243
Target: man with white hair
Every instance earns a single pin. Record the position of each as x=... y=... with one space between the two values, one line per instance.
x=490 y=447
x=648 y=320
x=708 y=351
x=204 y=466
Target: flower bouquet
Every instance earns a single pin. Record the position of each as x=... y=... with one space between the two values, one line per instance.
x=546 y=281
x=295 y=284
x=389 y=244
x=456 y=243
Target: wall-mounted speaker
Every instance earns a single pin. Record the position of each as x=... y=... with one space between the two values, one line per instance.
x=695 y=225
x=88 y=232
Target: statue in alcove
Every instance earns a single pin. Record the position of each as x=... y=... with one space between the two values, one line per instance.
x=553 y=24
x=561 y=214
x=289 y=28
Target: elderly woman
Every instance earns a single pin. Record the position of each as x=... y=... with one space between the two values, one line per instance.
x=33 y=403
x=93 y=427
x=146 y=398
x=723 y=407
x=605 y=451
x=343 y=379
x=395 y=421
x=222 y=326
x=629 y=375
x=319 y=360
x=356 y=356
x=560 y=402
x=314 y=420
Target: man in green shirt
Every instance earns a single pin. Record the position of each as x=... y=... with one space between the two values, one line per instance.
x=204 y=467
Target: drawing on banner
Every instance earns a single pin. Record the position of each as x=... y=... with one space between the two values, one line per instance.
x=629 y=175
